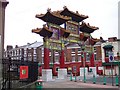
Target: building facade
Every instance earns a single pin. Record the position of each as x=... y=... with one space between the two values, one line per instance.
x=35 y=52
x=112 y=45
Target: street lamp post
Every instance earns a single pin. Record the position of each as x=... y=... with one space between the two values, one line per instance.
x=82 y=49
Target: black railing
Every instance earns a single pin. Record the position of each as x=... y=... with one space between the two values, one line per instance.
x=11 y=73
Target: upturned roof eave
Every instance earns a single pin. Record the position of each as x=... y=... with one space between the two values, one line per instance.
x=53 y=18
x=75 y=16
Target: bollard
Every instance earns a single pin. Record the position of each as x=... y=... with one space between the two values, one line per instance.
x=94 y=79
x=104 y=80
x=71 y=76
x=75 y=78
x=39 y=84
x=117 y=80
x=84 y=76
x=84 y=79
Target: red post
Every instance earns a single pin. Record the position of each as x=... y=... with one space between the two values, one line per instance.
x=82 y=56
x=84 y=59
x=46 y=58
x=62 y=60
x=97 y=69
x=46 y=53
x=92 y=60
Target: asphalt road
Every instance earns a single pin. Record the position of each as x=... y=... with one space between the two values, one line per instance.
x=56 y=83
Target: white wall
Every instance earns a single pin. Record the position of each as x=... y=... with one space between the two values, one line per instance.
x=108 y=72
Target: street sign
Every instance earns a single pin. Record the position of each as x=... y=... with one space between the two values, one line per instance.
x=111 y=57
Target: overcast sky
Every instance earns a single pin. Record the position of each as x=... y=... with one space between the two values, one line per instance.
x=20 y=17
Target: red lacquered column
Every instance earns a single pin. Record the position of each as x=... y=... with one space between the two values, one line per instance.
x=62 y=60
x=92 y=60
x=46 y=54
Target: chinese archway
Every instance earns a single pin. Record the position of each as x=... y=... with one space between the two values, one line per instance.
x=63 y=27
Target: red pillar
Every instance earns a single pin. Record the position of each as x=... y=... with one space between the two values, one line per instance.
x=97 y=69
x=92 y=60
x=46 y=58
x=82 y=56
x=62 y=60
x=46 y=53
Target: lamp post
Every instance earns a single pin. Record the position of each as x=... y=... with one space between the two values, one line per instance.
x=82 y=49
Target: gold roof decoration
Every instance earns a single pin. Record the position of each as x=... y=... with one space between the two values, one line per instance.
x=64 y=7
x=49 y=10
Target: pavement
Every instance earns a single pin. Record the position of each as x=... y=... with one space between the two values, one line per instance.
x=66 y=83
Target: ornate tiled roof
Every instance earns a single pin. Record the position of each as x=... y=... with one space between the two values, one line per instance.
x=74 y=15
x=45 y=32
x=53 y=17
x=85 y=27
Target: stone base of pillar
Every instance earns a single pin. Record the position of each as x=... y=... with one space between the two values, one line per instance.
x=47 y=75
x=94 y=71
x=62 y=73
x=82 y=71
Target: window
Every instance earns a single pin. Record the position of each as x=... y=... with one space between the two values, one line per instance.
x=94 y=49
x=56 y=59
x=73 y=58
x=95 y=56
x=42 y=60
x=72 y=27
x=107 y=52
x=79 y=58
x=79 y=49
x=87 y=56
x=73 y=50
x=34 y=51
